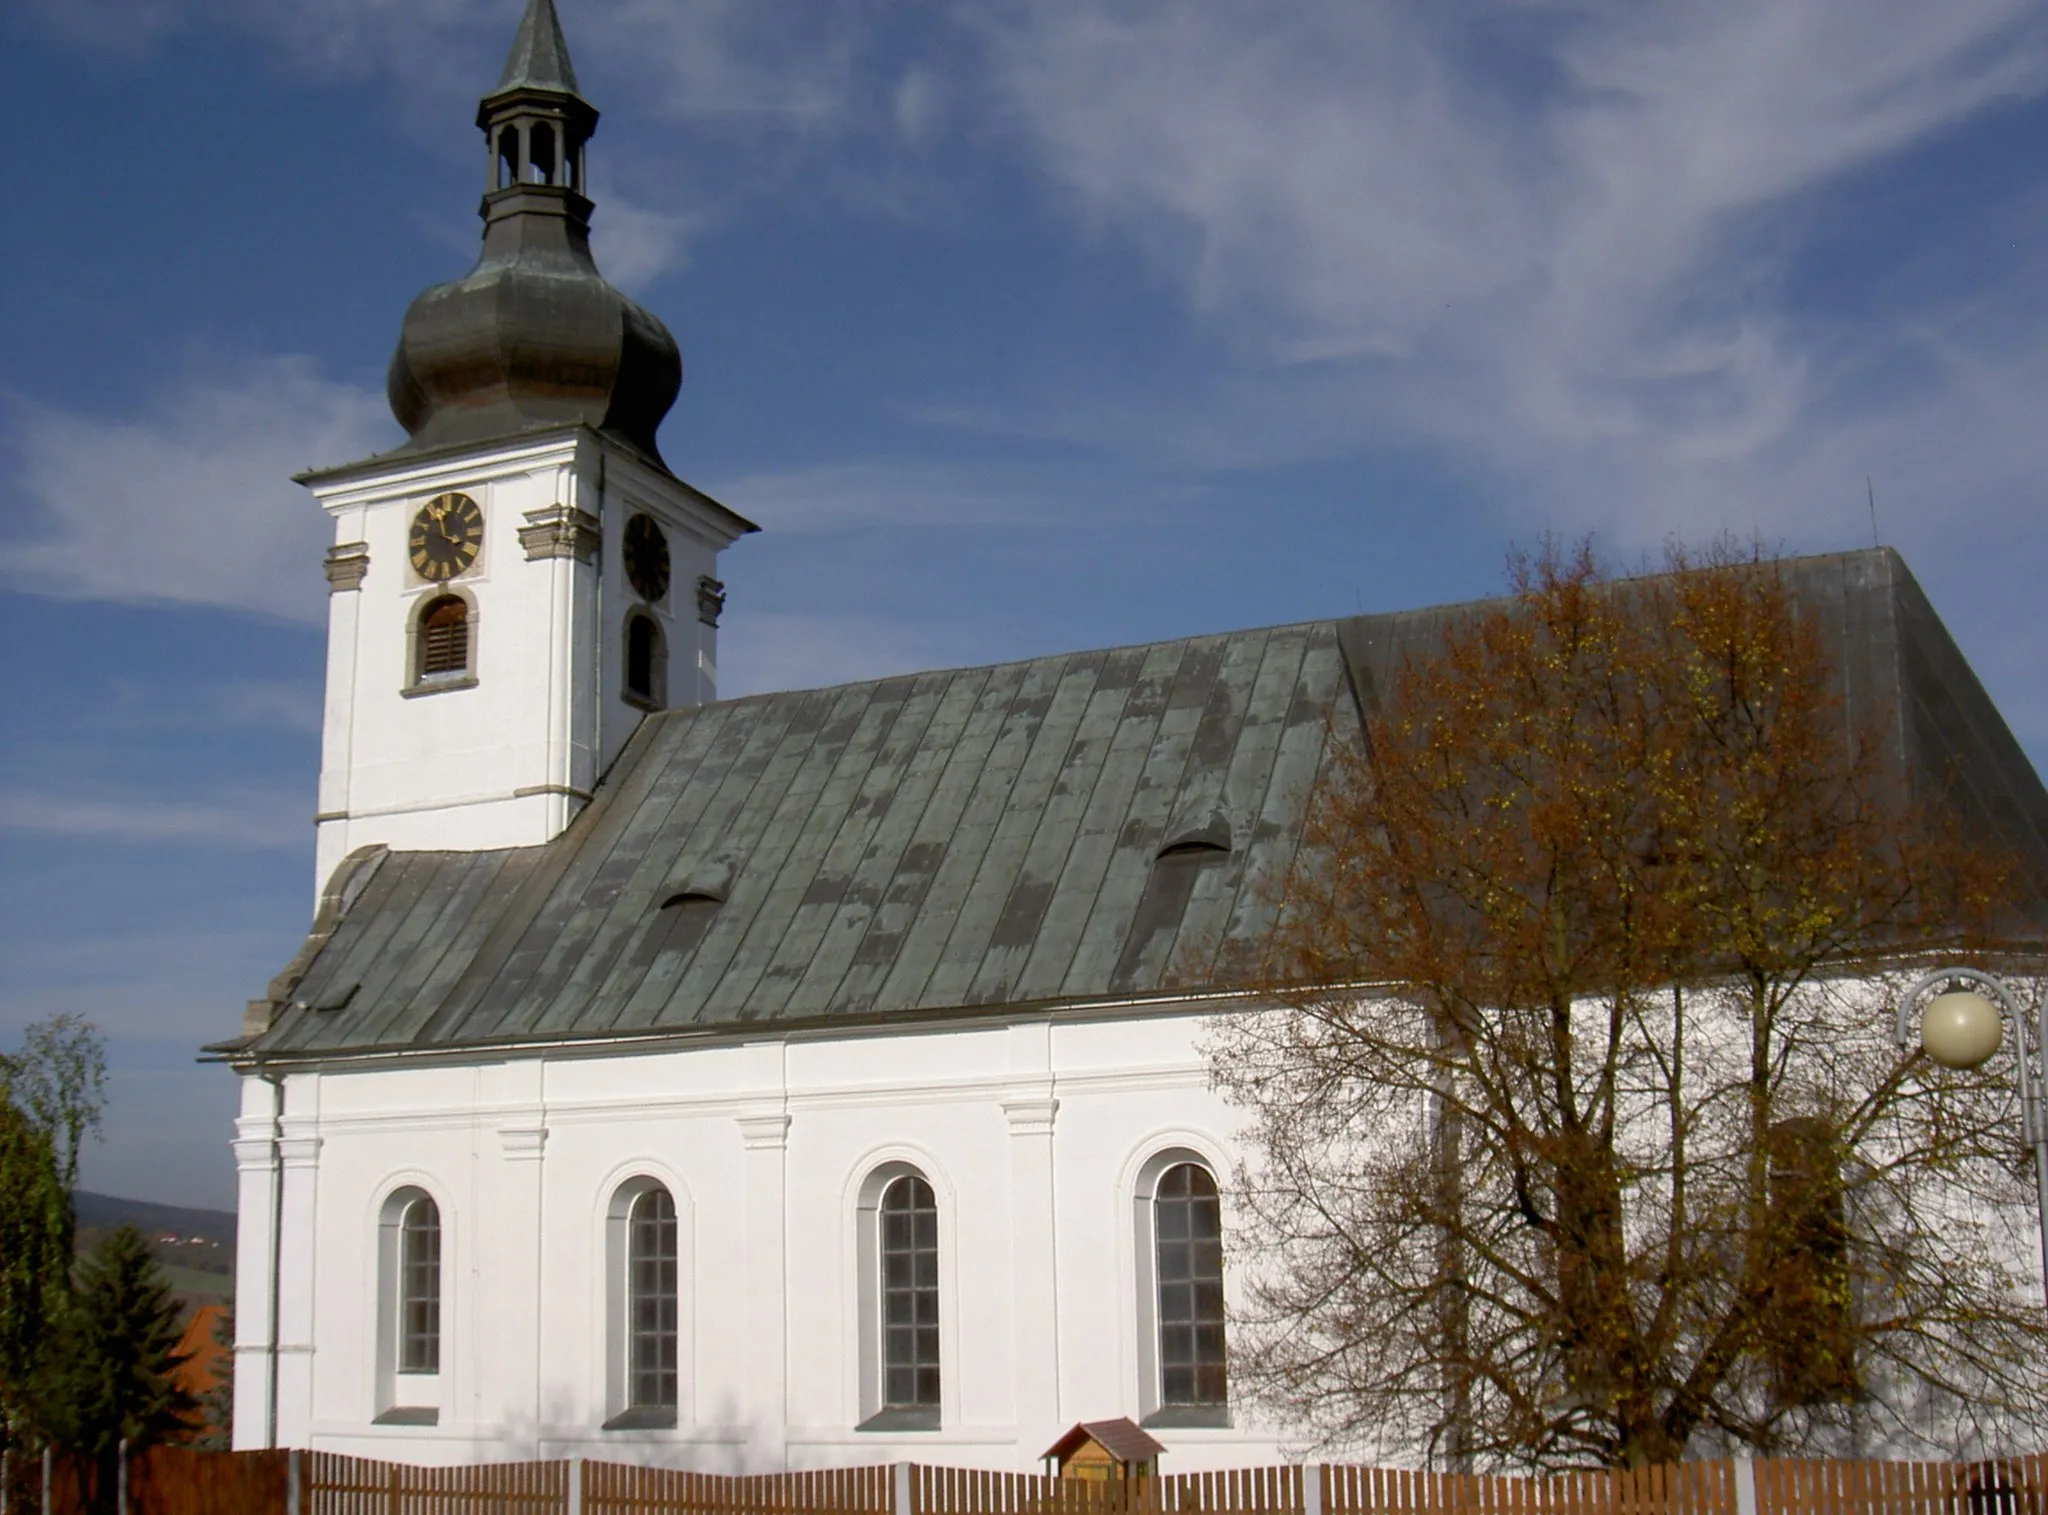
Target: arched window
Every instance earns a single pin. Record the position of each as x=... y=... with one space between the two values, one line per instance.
x=541 y=151
x=646 y=661
x=902 y=1344
x=443 y=651
x=1187 y=1226
x=647 y=1342
x=651 y=1290
x=910 y=1296
x=408 y=1309
x=419 y=1285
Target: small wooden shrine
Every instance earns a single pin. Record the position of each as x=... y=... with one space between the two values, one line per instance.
x=1104 y=1451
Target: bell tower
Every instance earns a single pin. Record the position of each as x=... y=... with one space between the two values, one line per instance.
x=521 y=581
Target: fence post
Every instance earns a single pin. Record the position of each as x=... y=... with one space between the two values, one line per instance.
x=1745 y=1486
x=575 y=1486
x=899 y=1478
x=6 y=1480
x=294 y=1482
x=121 y=1477
x=49 y=1459
x=1312 y=1489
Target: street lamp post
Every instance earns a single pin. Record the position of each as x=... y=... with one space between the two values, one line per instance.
x=1961 y=1028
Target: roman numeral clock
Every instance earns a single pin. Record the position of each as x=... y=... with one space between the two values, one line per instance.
x=446 y=534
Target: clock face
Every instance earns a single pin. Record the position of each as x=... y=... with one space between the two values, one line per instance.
x=646 y=558
x=445 y=536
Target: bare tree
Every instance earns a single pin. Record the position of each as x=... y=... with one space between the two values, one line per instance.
x=1581 y=1138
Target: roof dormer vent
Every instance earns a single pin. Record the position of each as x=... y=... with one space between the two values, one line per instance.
x=704 y=883
x=1205 y=840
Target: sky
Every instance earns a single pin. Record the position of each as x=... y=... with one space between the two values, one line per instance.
x=1019 y=328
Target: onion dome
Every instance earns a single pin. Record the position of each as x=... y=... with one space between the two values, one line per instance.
x=533 y=337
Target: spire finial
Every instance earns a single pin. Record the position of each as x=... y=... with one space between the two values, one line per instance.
x=540 y=54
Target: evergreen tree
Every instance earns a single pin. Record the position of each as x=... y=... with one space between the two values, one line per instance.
x=111 y=1375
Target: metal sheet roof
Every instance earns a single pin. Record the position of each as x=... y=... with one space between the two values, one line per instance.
x=966 y=841
x=939 y=842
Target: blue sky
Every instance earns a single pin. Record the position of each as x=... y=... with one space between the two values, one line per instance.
x=1018 y=327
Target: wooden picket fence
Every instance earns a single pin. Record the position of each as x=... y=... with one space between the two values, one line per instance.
x=1689 y=1488
x=1237 y=1491
x=177 y=1481
x=610 y=1488
x=338 y=1485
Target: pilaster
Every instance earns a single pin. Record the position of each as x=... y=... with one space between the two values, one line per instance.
x=764 y=1140
x=298 y=1148
x=518 y=1292
x=1029 y=1110
x=256 y=1171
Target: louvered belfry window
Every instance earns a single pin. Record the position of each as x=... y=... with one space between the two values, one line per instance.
x=1188 y=1219
x=651 y=1262
x=444 y=639
x=643 y=655
x=910 y=1295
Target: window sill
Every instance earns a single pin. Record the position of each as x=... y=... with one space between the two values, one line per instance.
x=644 y=1418
x=438 y=686
x=645 y=702
x=1174 y=1417
x=409 y=1415
x=902 y=1418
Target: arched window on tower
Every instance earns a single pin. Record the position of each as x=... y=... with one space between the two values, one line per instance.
x=443 y=642
x=646 y=682
x=541 y=148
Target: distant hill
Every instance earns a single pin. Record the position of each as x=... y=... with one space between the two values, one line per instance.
x=103 y=1212
x=196 y=1247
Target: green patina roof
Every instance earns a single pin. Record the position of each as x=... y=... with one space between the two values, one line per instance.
x=937 y=842
x=963 y=842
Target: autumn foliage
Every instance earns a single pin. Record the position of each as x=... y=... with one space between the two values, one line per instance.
x=1583 y=1138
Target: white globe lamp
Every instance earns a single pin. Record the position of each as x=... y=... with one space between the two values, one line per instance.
x=1961 y=1029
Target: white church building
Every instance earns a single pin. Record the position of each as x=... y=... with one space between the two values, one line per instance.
x=801 y=1080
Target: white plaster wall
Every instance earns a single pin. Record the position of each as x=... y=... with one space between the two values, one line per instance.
x=764 y=1146
x=502 y=763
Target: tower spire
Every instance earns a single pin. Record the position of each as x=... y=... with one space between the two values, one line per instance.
x=536 y=120
x=540 y=54
x=534 y=336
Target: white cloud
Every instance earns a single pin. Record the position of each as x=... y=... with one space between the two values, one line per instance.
x=192 y=501
x=264 y=822
x=762 y=651
x=901 y=493
x=1576 y=281
x=635 y=244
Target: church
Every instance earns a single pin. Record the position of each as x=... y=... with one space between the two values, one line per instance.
x=793 y=1081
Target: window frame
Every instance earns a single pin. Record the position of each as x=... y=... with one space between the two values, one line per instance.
x=655 y=695
x=408 y=1393
x=1154 y=1408
x=876 y=1414
x=418 y=681
x=622 y=1411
